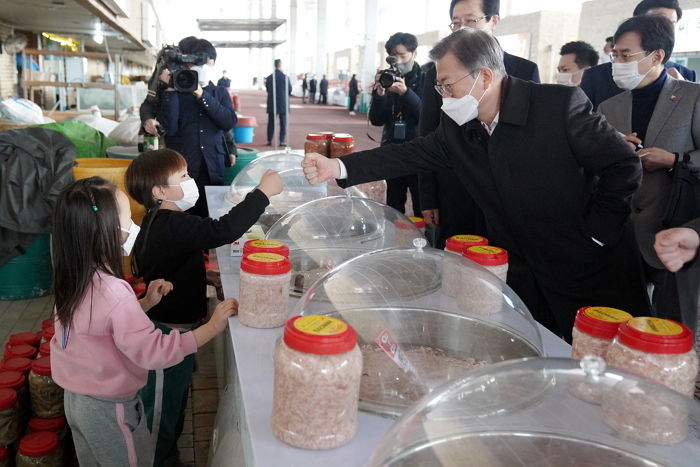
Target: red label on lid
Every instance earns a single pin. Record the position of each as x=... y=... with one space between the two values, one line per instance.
x=38 y=444
x=321 y=335
x=8 y=398
x=655 y=335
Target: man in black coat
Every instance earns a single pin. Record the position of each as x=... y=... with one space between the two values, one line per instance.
x=323 y=91
x=279 y=105
x=524 y=151
x=598 y=83
x=445 y=203
x=224 y=81
x=353 y=92
x=312 y=89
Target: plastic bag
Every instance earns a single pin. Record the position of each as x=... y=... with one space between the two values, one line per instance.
x=97 y=121
x=126 y=133
x=21 y=110
x=88 y=141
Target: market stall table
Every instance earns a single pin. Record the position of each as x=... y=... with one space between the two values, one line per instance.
x=242 y=433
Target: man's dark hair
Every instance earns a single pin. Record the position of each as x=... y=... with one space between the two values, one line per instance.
x=655 y=31
x=278 y=63
x=474 y=48
x=644 y=6
x=583 y=51
x=187 y=44
x=610 y=40
x=401 y=38
x=203 y=46
x=489 y=7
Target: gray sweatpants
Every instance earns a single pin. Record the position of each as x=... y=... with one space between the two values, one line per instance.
x=109 y=432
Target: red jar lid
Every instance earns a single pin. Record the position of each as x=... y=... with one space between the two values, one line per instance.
x=38 y=444
x=42 y=366
x=265 y=246
x=28 y=338
x=47 y=424
x=342 y=137
x=4 y=453
x=321 y=335
x=459 y=243
x=600 y=321
x=316 y=137
x=47 y=323
x=417 y=221
x=8 y=398
x=12 y=379
x=20 y=364
x=403 y=225
x=656 y=335
x=45 y=349
x=268 y=264
x=48 y=333
x=22 y=350
x=327 y=134
x=486 y=255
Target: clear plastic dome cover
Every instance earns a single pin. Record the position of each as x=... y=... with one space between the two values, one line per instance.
x=344 y=221
x=296 y=192
x=546 y=412
x=413 y=336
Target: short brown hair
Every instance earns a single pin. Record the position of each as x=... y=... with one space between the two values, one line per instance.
x=152 y=168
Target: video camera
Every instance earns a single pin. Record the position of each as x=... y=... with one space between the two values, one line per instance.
x=181 y=78
x=388 y=76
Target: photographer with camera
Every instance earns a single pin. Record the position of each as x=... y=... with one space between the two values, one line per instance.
x=191 y=112
x=396 y=100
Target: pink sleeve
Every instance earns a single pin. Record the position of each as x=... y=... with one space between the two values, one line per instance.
x=137 y=338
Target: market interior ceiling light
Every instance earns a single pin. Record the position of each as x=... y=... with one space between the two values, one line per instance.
x=62 y=40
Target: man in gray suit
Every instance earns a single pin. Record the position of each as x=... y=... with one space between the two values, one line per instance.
x=661 y=118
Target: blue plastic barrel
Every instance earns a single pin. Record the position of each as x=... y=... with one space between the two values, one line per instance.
x=28 y=275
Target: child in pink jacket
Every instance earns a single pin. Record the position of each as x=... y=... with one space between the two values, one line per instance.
x=104 y=343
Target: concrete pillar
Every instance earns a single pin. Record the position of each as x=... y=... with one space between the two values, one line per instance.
x=292 y=32
x=321 y=50
x=369 y=49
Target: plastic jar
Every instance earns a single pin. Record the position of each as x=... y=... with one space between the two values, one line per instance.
x=404 y=233
x=265 y=246
x=329 y=139
x=594 y=330
x=46 y=397
x=418 y=222
x=482 y=296
x=264 y=290
x=21 y=350
x=57 y=425
x=28 y=338
x=47 y=333
x=45 y=349
x=40 y=449
x=451 y=266
x=4 y=456
x=316 y=142
x=658 y=349
x=9 y=417
x=318 y=367
x=342 y=145
x=21 y=364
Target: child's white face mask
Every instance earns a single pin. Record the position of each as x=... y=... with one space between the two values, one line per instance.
x=133 y=232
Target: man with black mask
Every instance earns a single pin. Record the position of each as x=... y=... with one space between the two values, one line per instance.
x=396 y=106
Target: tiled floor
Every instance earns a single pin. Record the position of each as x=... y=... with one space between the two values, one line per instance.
x=27 y=315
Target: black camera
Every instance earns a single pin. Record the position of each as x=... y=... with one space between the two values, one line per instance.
x=181 y=77
x=388 y=76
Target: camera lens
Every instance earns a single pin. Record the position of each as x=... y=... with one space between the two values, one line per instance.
x=386 y=79
x=185 y=80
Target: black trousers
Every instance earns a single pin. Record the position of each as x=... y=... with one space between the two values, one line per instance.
x=353 y=101
x=271 y=127
x=675 y=295
x=396 y=193
x=323 y=99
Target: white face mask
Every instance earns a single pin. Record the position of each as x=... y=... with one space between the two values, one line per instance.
x=128 y=244
x=203 y=73
x=626 y=75
x=190 y=195
x=463 y=109
x=567 y=79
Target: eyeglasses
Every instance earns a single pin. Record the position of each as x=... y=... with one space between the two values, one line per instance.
x=446 y=88
x=457 y=24
x=625 y=57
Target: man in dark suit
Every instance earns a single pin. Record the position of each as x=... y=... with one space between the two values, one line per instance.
x=312 y=89
x=445 y=203
x=224 y=81
x=278 y=91
x=523 y=152
x=323 y=91
x=598 y=83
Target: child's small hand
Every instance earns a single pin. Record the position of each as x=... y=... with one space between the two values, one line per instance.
x=271 y=183
x=223 y=311
x=156 y=289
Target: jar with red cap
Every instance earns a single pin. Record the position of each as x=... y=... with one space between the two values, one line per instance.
x=264 y=290
x=657 y=349
x=21 y=350
x=56 y=425
x=16 y=381
x=594 y=330
x=265 y=246
x=418 y=222
x=45 y=396
x=342 y=145
x=47 y=333
x=316 y=142
x=27 y=338
x=479 y=294
x=40 y=449
x=45 y=349
x=452 y=270
x=4 y=456
x=9 y=417
x=21 y=364
x=318 y=367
